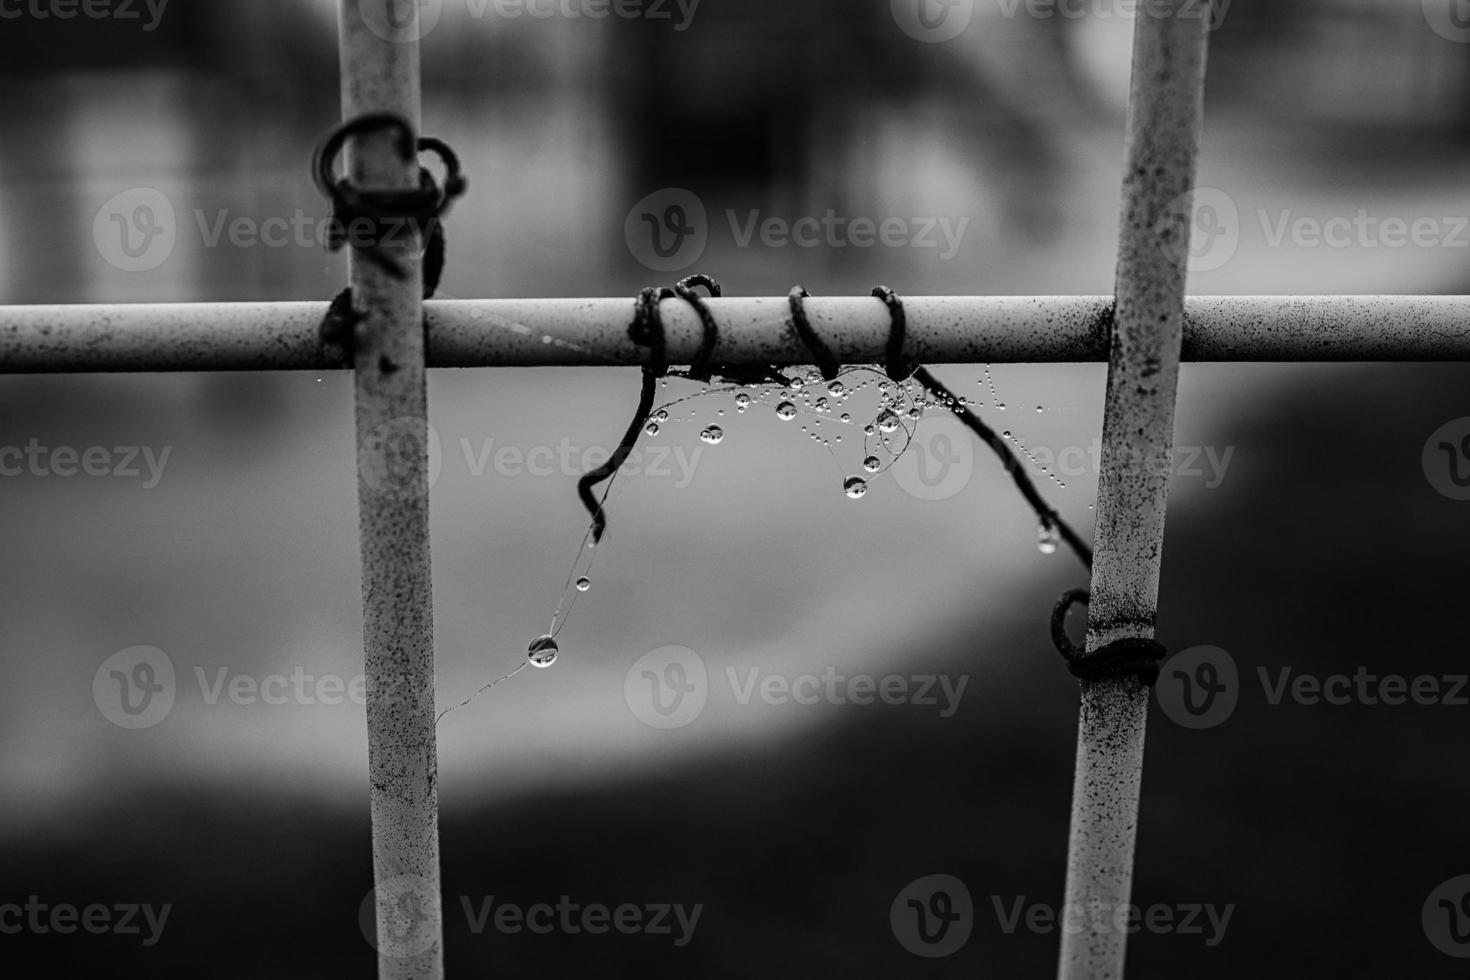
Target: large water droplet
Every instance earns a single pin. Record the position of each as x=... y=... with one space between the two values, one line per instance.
x=714 y=435
x=872 y=464
x=855 y=487
x=785 y=411
x=1046 y=539
x=651 y=428
x=821 y=405
x=583 y=584
x=887 y=422
x=837 y=388
x=542 y=652
x=661 y=416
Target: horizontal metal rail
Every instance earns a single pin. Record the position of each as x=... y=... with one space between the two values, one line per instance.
x=565 y=332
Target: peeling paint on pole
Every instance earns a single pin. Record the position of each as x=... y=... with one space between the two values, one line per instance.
x=380 y=75
x=1164 y=123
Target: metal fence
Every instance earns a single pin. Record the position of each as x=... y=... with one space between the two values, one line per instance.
x=1144 y=332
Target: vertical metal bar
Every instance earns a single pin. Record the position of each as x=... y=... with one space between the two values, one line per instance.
x=380 y=73
x=1165 y=114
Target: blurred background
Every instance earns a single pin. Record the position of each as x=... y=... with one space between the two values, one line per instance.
x=1316 y=540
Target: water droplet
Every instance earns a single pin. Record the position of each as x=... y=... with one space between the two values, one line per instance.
x=887 y=422
x=846 y=417
x=797 y=384
x=821 y=405
x=742 y=402
x=714 y=435
x=1046 y=539
x=855 y=487
x=1039 y=409
x=1001 y=406
x=583 y=584
x=916 y=413
x=651 y=428
x=1007 y=433
x=872 y=464
x=661 y=416
x=542 y=652
x=869 y=430
x=785 y=411
x=837 y=388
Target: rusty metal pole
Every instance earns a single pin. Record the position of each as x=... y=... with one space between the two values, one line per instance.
x=482 y=333
x=380 y=73
x=1166 y=108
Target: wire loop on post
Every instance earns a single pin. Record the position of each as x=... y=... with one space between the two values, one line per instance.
x=894 y=364
x=825 y=362
x=699 y=368
x=365 y=219
x=1138 y=657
